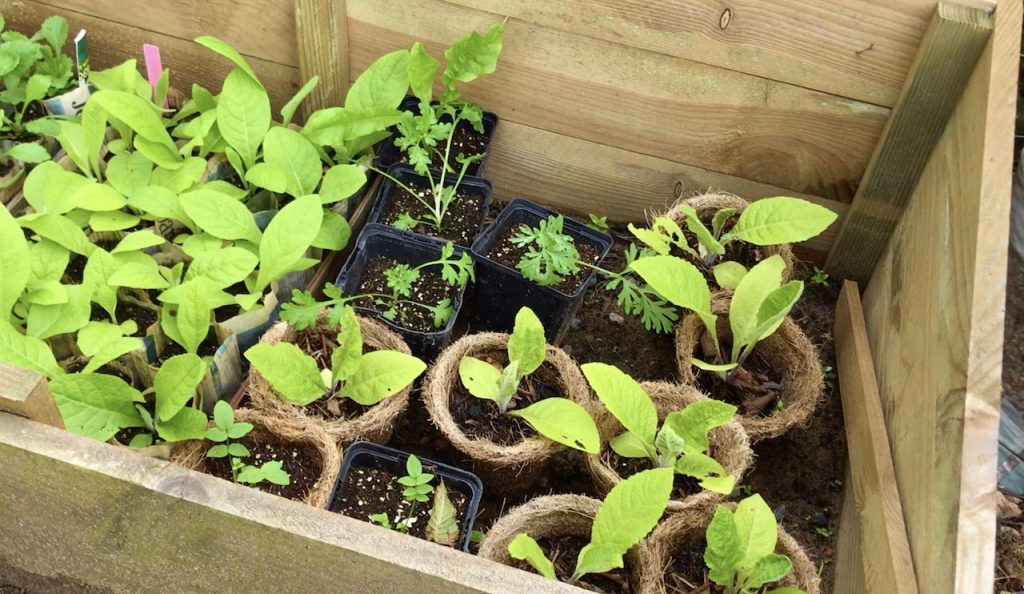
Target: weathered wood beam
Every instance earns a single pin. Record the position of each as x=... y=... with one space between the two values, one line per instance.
x=321 y=28
x=26 y=394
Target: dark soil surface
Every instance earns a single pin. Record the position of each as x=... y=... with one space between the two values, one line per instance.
x=688 y=573
x=301 y=461
x=226 y=312
x=627 y=467
x=466 y=141
x=480 y=418
x=602 y=331
x=563 y=552
x=1009 y=571
x=143 y=316
x=320 y=345
x=370 y=491
x=461 y=223
x=207 y=348
x=738 y=251
x=755 y=387
x=504 y=252
x=429 y=289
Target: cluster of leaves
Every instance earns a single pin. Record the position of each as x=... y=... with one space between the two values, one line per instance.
x=442 y=525
x=223 y=436
x=551 y=255
x=558 y=419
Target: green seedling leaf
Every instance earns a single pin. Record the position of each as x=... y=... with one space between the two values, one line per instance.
x=341 y=182
x=175 y=383
x=187 y=424
x=694 y=422
x=48 y=188
x=676 y=280
x=526 y=344
x=628 y=445
x=563 y=421
x=723 y=551
x=138 y=276
x=223 y=267
x=707 y=470
x=712 y=367
x=138 y=240
x=221 y=215
x=382 y=84
x=774 y=221
x=770 y=568
x=442 y=527
x=96 y=405
x=625 y=399
x=334 y=232
x=27 y=352
x=293 y=104
x=269 y=177
x=472 y=56
x=524 y=548
x=293 y=374
x=704 y=235
x=243 y=114
x=775 y=307
x=223 y=416
x=129 y=172
x=59 y=229
x=347 y=355
x=193 y=315
x=294 y=154
x=728 y=274
x=757 y=530
x=29 y=152
x=45 y=321
x=48 y=260
x=422 y=71
x=222 y=48
x=480 y=377
x=287 y=238
x=746 y=301
x=115 y=220
x=15 y=265
x=381 y=374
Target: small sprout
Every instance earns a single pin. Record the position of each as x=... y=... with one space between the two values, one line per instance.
x=598 y=223
x=820 y=277
x=225 y=430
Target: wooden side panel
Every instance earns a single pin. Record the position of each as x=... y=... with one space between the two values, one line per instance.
x=934 y=309
x=322 y=37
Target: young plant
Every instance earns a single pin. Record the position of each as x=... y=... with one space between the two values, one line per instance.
x=629 y=512
x=740 y=552
x=598 y=223
x=820 y=277
x=771 y=221
x=759 y=304
x=365 y=378
x=416 y=489
x=224 y=435
x=682 y=442
x=558 y=419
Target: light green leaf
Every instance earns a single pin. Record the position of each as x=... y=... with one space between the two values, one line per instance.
x=221 y=215
x=45 y=321
x=676 y=280
x=96 y=405
x=334 y=126
x=180 y=178
x=48 y=188
x=27 y=352
x=288 y=236
x=472 y=56
x=112 y=350
x=269 y=177
x=222 y=48
x=728 y=274
x=524 y=548
x=293 y=374
x=293 y=104
x=243 y=114
x=60 y=230
x=653 y=238
x=786 y=590
x=595 y=558
x=138 y=240
x=294 y=154
x=480 y=378
x=94 y=335
x=382 y=84
x=629 y=445
x=193 y=314
x=669 y=443
x=526 y=344
x=15 y=265
x=707 y=470
x=341 y=182
x=775 y=307
x=694 y=422
x=712 y=367
x=625 y=399
x=746 y=301
x=334 y=232
x=139 y=114
x=774 y=221
x=189 y=423
x=129 y=172
x=47 y=292
x=422 y=70
x=176 y=382
x=48 y=260
x=29 y=152
x=382 y=374
x=346 y=356
x=719 y=220
x=563 y=421
x=757 y=530
x=160 y=203
x=223 y=266
x=223 y=415
x=138 y=276
x=115 y=220
x=442 y=526
x=704 y=235
x=770 y=568
x=722 y=554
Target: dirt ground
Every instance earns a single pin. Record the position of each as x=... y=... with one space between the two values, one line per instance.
x=1010 y=535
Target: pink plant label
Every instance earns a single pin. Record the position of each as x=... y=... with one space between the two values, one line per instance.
x=154 y=67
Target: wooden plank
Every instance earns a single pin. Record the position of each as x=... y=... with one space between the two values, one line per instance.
x=849 y=572
x=646 y=102
x=558 y=170
x=26 y=394
x=111 y=43
x=950 y=49
x=95 y=511
x=322 y=31
x=885 y=551
x=854 y=48
x=934 y=311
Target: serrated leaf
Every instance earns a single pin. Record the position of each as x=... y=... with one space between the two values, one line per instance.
x=381 y=374
x=175 y=383
x=294 y=375
x=526 y=344
x=472 y=56
x=563 y=421
x=770 y=568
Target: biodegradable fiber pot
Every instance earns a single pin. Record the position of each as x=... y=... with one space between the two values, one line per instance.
x=371 y=455
x=192 y=454
x=680 y=532
x=501 y=291
x=707 y=205
x=376 y=424
x=729 y=444
x=551 y=517
x=789 y=353
x=478 y=189
x=406 y=248
x=511 y=469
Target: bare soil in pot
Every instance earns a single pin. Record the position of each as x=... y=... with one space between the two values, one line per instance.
x=461 y=223
x=207 y=348
x=755 y=389
x=429 y=289
x=508 y=254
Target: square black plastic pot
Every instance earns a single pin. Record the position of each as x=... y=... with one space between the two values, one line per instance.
x=500 y=292
x=407 y=248
x=389 y=154
x=405 y=174
x=364 y=454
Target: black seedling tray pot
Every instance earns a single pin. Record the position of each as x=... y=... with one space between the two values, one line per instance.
x=500 y=291
x=388 y=154
x=367 y=454
x=406 y=248
x=406 y=174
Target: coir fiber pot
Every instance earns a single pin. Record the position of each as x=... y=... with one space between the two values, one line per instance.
x=728 y=444
x=365 y=454
x=788 y=352
x=406 y=248
x=192 y=454
x=388 y=154
x=680 y=532
x=708 y=204
x=375 y=424
x=478 y=189
x=501 y=291
x=506 y=469
x=555 y=516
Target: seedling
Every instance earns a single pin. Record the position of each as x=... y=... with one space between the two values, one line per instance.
x=365 y=378
x=820 y=277
x=442 y=526
x=598 y=223
x=740 y=552
x=175 y=385
x=557 y=419
x=223 y=435
x=629 y=512
x=682 y=442
x=771 y=221
x=759 y=304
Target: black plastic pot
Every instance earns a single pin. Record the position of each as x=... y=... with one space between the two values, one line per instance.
x=365 y=454
x=407 y=248
x=405 y=174
x=500 y=292
x=388 y=154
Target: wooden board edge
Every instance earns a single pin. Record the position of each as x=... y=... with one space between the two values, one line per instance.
x=321 y=30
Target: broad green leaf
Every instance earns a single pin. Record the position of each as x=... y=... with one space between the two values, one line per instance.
x=138 y=276
x=625 y=399
x=59 y=229
x=775 y=307
x=381 y=374
x=94 y=127
x=526 y=344
x=719 y=220
x=193 y=314
x=728 y=274
x=595 y=558
x=48 y=188
x=770 y=568
x=293 y=104
x=288 y=236
x=176 y=382
x=480 y=378
x=96 y=405
x=224 y=266
x=189 y=423
x=712 y=367
x=294 y=154
x=139 y=114
x=756 y=529
x=704 y=235
x=72 y=140
x=472 y=56
x=94 y=335
x=138 y=240
x=160 y=203
x=422 y=71
x=221 y=215
x=243 y=114
x=222 y=48
x=273 y=472
x=746 y=301
x=334 y=126
x=382 y=84
x=524 y=548
x=723 y=553
x=99 y=267
x=629 y=445
x=695 y=421
x=442 y=526
x=129 y=172
x=45 y=321
x=346 y=356
x=670 y=444
x=223 y=415
x=334 y=232
x=341 y=182
x=26 y=352
x=48 y=260
x=114 y=220
x=707 y=470
x=778 y=220
x=293 y=374
x=29 y=152
x=15 y=265
x=201 y=243
x=48 y=292
x=654 y=240
x=142 y=440
x=179 y=178
x=676 y=280
x=269 y=177
x=112 y=350
x=563 y=421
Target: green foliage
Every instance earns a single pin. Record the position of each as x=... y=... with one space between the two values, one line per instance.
x=416 y=482
x=656 y=314
x=224 y=435
x=442 y=526
x=629 y=512
x=820 y=277
x=682 y=441
x=740 y=550
x=96 y=405
x=551 y=254
x=598 y=223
